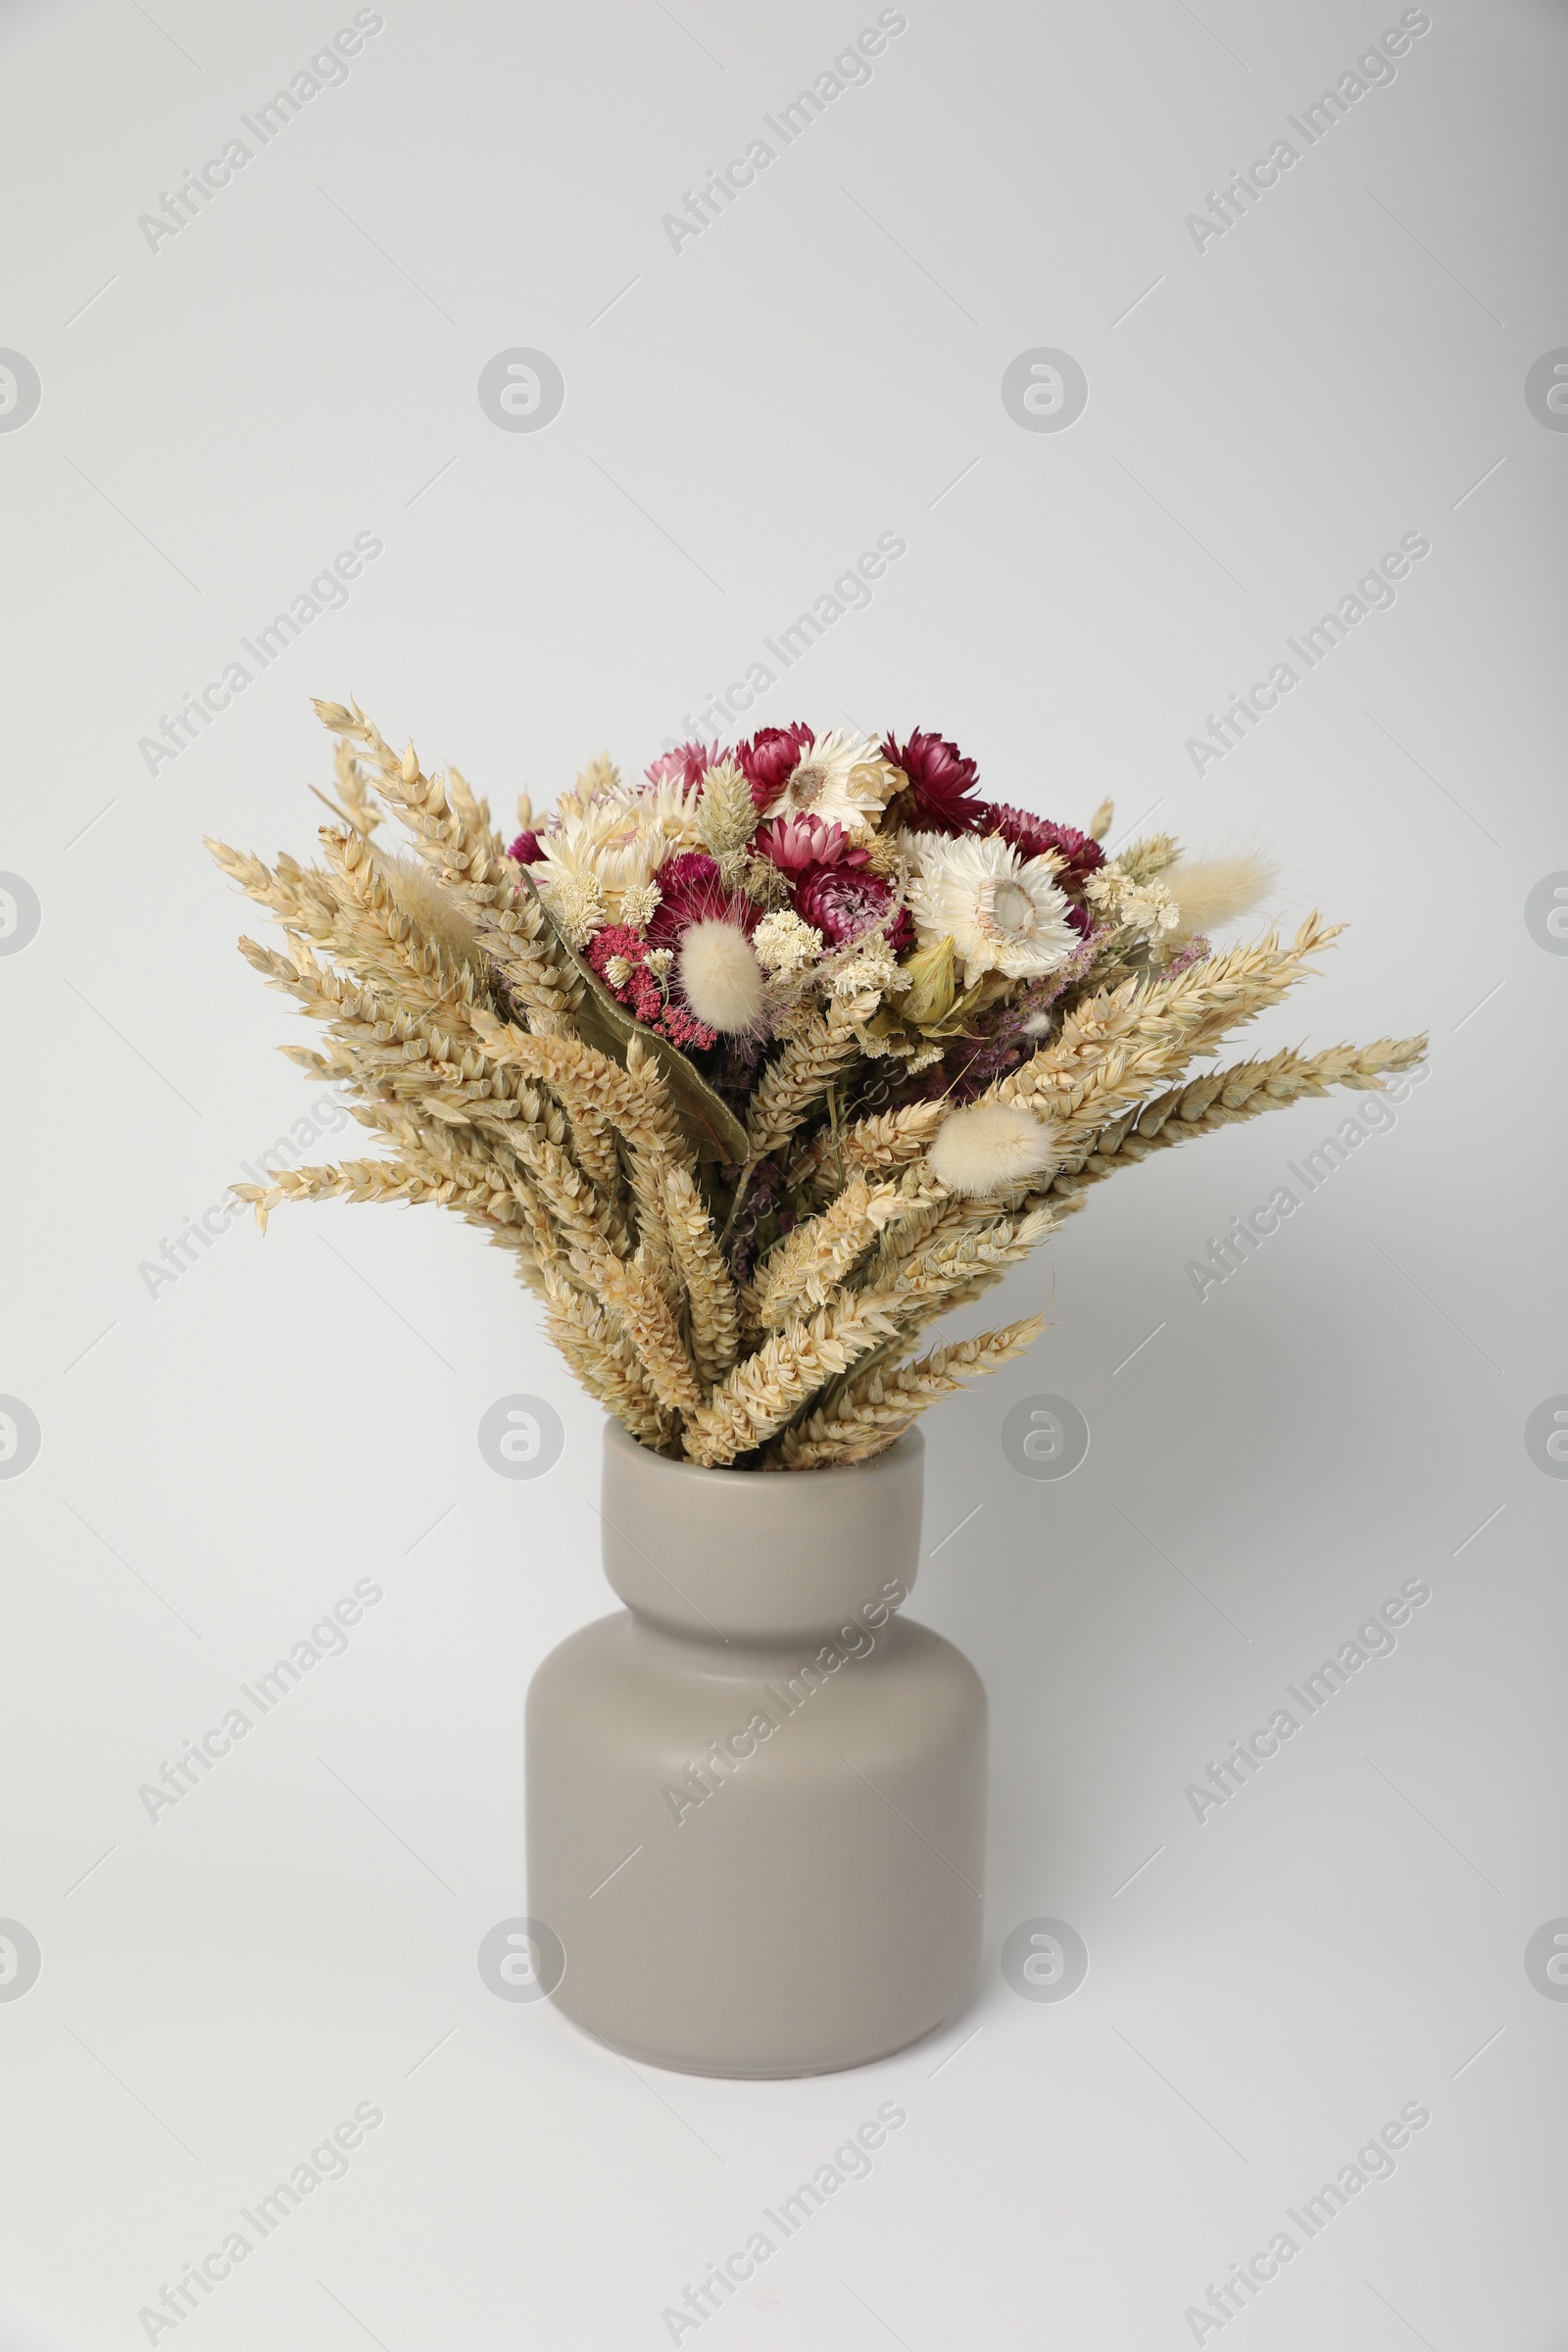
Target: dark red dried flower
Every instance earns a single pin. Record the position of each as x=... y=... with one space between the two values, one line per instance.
x=770 y=759
x=692 y=891
x=844 y=901
x=1032 y=836
x=941 y=783
x=525 y=850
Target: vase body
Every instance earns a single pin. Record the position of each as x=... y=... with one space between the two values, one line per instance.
x=755 y=1793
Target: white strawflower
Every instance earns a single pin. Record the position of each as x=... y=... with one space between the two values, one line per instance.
x=638 y=904
x=611 y=847
x=990 y=1147
x=783 y=944
x=1002 y=913
x=720 y=978
x=839 y=778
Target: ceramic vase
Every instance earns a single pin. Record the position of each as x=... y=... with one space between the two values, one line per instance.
x=757 y=1792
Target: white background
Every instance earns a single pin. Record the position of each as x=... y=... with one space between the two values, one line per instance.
x=223 y=1459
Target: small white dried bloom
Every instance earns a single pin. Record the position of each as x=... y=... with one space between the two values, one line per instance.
x=1148 y=905
x=1151 y=907
x=660 y=962
x=784 y=943
x=988 y=1148
x=617 y=971
x=637 y=905
x=863 y=982
x=575 y=904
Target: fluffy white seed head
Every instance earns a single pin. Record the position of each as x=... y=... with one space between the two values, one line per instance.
x=720 y=978
x=989 y=1147
x=1211 y=892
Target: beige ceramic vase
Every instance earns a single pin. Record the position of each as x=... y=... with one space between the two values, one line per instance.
x=755 y=1793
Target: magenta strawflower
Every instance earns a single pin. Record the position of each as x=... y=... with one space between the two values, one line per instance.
x=941 y=784
x=770 y=758
x=691 y=891
x=1032 y=836
x=844 y=901
x=525 y=850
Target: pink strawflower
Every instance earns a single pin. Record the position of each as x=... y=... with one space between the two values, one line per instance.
x=1032 y=836
x=686 y=765
x=794 y=842
x=525 y=850
x=770 y=758
x=941 y=783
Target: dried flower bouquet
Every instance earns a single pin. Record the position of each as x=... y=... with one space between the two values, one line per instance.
x=759 y=1066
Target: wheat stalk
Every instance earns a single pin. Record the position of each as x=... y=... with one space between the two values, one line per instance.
x=875 y=1408
x=791 y=1087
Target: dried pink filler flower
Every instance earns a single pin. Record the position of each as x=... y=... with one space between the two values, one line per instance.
x=640 y=992
x=770 y=758
x=525 y=851
x=941 y=782
x=686 y=764
x=1032 y=836
x=1197 y=951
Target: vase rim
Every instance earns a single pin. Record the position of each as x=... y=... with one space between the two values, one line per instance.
x=910 y=1444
